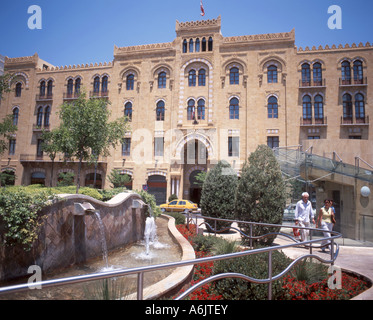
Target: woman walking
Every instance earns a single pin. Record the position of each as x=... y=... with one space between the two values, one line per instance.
x=326 y=221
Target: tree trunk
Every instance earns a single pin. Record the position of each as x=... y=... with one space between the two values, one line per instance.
x=78 y=180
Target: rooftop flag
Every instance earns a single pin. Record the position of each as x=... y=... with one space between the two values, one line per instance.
x=202 y=9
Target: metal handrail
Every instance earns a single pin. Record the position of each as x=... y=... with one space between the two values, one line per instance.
x=141 y=270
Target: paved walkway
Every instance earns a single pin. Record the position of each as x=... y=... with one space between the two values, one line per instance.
x=355 y=259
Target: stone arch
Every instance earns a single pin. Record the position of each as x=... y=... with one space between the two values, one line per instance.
x=194 y=136
x=182 y=87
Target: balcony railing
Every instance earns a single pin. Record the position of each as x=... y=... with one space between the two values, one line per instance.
x=58 y=158
x=44 y=97
x=70 y=95
x=351 y=121
x=313 y=121
x=36 y=127
x=312 y=83
x=100 y=94
x=353 y=82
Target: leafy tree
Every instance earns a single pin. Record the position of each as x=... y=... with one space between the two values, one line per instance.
x=7 y=129
x=261 y=194
x=52 y=145
x=85 y=127
x=117 y=179
x=5 y=80
x=218 y=191
x=65 y=179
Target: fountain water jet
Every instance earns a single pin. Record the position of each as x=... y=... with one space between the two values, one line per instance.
x=103 y=239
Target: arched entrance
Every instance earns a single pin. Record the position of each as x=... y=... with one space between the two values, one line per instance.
x=91 y=182
x=38 y=177
x=195 y=189
x=157 y=186
x=195 y=163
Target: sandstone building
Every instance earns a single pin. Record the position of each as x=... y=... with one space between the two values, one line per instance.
x=198 y=99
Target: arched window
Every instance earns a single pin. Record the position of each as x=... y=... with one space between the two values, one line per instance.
x=128 y=110
x=104 y=84
x=317 y=74
x=201 y=109
x=191 y=45
x=160 y=111
x=191 y=110
x=15 y=116
x=272 y=108
x=47 y=113
x=192 y=78
x=234 y=76
x=130 y=82
x=70 y=86
x=197 y=45
x=204 y=44
x=358 y=72
x=319 y=107
x=210 y=43
x=359 y=107
x=234 y=109
x=162 y=80
x=307 y=108
x=42 y=89
x=77 y=85
x=18 y=89
x=202 y=77
x=39 y=117
x=50 y=88
x=272 y=74
x=96 y=84
x=306 y=74
x=347 y=108
x=185 y=46
x=346 y=72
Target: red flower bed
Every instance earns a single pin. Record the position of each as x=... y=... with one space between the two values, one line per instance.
x=293 y=289
x=201 y=271
x=300 y=290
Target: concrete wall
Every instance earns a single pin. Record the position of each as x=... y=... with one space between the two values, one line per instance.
x=66 y=239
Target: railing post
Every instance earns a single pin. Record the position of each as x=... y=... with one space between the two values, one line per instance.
x=215 y=228
x=251 y=236
x=310 y=243
x=188 y=220
x=332 y=251
x=270 y=275
x=140 y=286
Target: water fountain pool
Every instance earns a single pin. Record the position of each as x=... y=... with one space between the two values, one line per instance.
x=123 y=257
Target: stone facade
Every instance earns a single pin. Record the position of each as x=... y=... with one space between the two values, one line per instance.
x=198 y=99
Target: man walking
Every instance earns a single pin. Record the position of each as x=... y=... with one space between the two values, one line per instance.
x=303 y=215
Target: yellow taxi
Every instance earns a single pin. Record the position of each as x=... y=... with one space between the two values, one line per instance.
x=179 y=205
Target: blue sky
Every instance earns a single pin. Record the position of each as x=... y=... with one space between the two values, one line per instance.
x=82 y=31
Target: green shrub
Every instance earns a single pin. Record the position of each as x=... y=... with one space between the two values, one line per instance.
x=205 y=243
x=261 y=195
x=19 y=216
x=218 y=193
x=255 y=266
x=172 y=197
x=149 y=199
x=179 y=217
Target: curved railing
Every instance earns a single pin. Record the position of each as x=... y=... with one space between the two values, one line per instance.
x=141 y=270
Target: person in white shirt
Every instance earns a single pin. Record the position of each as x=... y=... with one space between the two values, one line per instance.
x=303 y=215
